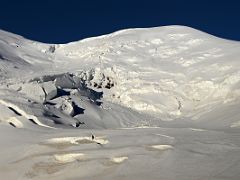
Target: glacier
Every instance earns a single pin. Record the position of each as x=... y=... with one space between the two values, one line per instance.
x=156 y=103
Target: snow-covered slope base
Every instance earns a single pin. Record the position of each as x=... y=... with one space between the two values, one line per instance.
x=161 y=103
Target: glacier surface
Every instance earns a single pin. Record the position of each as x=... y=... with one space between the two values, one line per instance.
x=154 y=103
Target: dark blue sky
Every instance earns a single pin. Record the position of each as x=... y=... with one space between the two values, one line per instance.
x=61 y=21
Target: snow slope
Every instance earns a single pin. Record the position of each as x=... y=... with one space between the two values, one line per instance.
x=161 y=84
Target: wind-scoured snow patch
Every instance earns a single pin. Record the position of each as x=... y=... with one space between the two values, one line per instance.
x=75 y=141
x=235 y=125
x=166 y=136
x=142 y=127
x=199 y=130
x=69 y=157
x=118 y=160
x=162 y=147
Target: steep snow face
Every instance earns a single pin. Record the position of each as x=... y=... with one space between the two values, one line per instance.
x=18 y=55
x=169 y=73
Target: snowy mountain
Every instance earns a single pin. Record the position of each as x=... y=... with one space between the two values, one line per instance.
x=174 y=87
